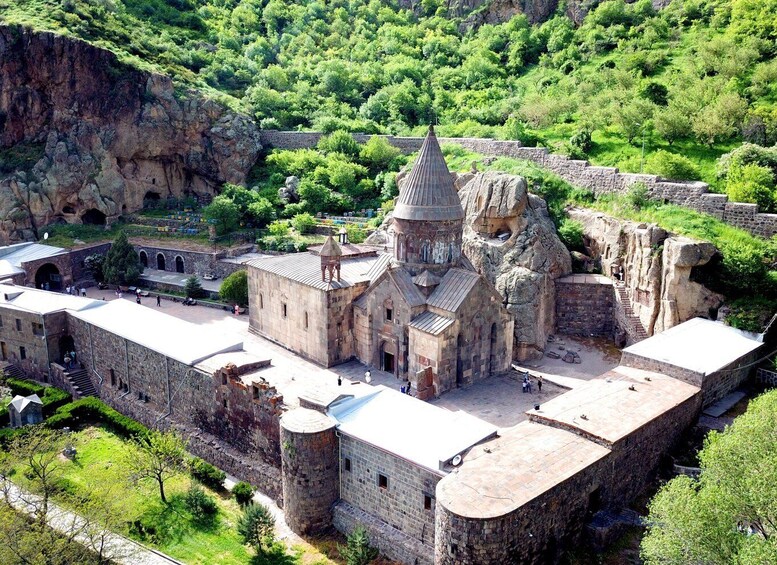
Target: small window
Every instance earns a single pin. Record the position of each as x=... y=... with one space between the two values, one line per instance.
x=389 y=314
x=261 y=301
x=1 y=321
x=113 y=378
x=224 y=402
x=37 y=329
x=306 y=320
x=348 y=464
x=140 y=395
x=427 y=502
x=22 y=353
x=18 y=325
x=256 y=392
x=223 y=378
x=283 y=309
x=382 y=481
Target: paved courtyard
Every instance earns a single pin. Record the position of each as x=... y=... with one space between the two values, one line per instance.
x=498 y=400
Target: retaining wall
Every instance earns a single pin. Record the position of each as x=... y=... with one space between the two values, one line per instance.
x=694 y=195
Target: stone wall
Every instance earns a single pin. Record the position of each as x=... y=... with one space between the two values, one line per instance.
x=401 y=503
x=77 y=256
x=23 y=340
x=582 y=174
x=584 y=305
x=61 y=262
x=194 y=262
x=392 y=543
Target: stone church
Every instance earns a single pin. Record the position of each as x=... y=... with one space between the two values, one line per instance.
x=420 y=307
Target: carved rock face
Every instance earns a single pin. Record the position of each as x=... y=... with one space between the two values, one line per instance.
x=510 y=238
x=107 y=134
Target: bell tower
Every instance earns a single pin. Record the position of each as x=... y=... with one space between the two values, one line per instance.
x=330 y=255
x=428 y=217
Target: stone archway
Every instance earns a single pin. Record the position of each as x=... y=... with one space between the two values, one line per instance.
x=179 y=264
x=388 y=358
x=48 y=277
x=143 y=258
x=93 y=217
x=160 y=261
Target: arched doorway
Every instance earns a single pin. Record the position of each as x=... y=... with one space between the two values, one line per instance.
x=94 y=217
x=48 y=277
x=66 y=345
x=143 y=258
x=178 y=264
x=388 y=358
x=152 y=196
x=160 y=262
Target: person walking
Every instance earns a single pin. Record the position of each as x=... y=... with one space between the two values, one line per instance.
x=539 y=383
x=158 y=300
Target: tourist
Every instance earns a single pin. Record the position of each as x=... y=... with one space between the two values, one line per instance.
x=46 y=286
x=158 y=300
x=67 y=289
x=339 y=380
x=237 y=309
x=67 y=361
x=367 y=376
x=73 y=357
x=408 y=387
x=402 y=389
x=137 y=298
x=539 y=383
x=83 y=291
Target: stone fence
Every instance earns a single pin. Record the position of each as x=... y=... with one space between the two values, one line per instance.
x=600 y=180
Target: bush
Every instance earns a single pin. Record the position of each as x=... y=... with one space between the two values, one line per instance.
x=303 y=223
x=207 y=474
x=234 y=289
x=638 y=196
x=257 y=527
x=201 y=506
x=753 y=184
x=571 y=234
x=358 y=551
x=94 y=410
x=355 y=233
x=279 y=228
x=51 y=397
x=671 y=166
x=243 y=493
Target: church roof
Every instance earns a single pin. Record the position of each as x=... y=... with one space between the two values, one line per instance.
x=428 y=193
x=431 y=323
x=453 y=289
x=405 y=285
x=305 y=268
x=330 y=248
x=426 y=279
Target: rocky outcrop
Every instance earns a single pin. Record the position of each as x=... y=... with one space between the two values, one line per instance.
x=657 y=268
x=510 y=238
x=108 y=134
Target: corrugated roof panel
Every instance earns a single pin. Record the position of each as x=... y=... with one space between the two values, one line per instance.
x=453 y=289
x=305 y=268
x=405 y=285
x=431 y=323
x=24 y=252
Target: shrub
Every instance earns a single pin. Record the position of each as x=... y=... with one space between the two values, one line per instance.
x=51 y=397
x=243 y=493
x=257 y=527
x=571 y=234
x=92 y=409
x=637 y=196
x=671 y=166
x=751 y=183
x=261 y=211
x=207 y=474
x=355 y=233
x=234 y=289
x=303 y=223
x=582 y=141
x=339 y=142
x=201 y=506
x=279 y=228
x=357 y=550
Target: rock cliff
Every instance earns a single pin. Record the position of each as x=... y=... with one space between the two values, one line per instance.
x=658 y=268
x=105 y=135
x=510 y=238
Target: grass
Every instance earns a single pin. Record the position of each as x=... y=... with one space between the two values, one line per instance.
x=169 y=528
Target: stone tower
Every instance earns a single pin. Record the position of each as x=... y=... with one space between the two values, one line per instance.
x=309 y=470
x=428 y=217
x=330 y=255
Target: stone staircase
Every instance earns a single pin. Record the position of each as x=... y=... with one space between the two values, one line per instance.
x=14 y=372
x=82 y=384
x=636 y=330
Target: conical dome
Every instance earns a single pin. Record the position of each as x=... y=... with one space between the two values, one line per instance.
x=428 y=193
x=330 y=248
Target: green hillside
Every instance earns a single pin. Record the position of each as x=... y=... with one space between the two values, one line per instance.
x=695 y=79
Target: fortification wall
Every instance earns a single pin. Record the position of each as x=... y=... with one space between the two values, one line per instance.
x=694 y=195
x=584 y=305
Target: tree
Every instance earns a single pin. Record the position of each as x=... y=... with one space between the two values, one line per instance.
x=751 y=183
x=94 y=263
x=672 y=124
x=192 y=287
x=357 y=550
x=122 y=265
x=671 y=166
x=157 y=456
x=243 y=492
x=728 y=514
x=234 y=289
x=257 y=527
x=224 y=213
x=261 y=212
x=379 y=154
x=303 y=223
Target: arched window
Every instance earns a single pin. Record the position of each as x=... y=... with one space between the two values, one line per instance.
x=160 y=262
x=143 y=258
x=179 y=264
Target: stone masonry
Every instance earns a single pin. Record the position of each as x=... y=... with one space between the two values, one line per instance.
x=584 y=305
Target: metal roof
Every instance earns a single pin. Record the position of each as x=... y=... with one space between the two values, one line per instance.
x=24 y=252
x=426 y=279
x=406 y=287
x=305 y=268
x=699 y=345
x=428 y=193
x=172 y=337
x=330 y=248
x=20 y=403
x=43 y=301
x=445 y=433
x=431 y=323
x=453 y=289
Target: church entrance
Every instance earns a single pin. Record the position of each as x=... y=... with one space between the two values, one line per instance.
x=387 y=359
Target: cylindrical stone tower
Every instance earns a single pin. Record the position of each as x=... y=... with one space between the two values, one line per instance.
x=428 y=217
x=309 y=469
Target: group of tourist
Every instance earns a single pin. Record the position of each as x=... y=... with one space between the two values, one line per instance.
x=70 y=359
x=72 y=290
x=526 y=385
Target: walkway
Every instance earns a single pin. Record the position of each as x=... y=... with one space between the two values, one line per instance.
x=119 y=548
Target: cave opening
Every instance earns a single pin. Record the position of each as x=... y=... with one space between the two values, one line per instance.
x=93 y=217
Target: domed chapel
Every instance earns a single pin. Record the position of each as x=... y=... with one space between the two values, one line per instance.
x=419 y=311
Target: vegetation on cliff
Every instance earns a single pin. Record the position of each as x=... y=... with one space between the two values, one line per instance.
x=692 y=79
